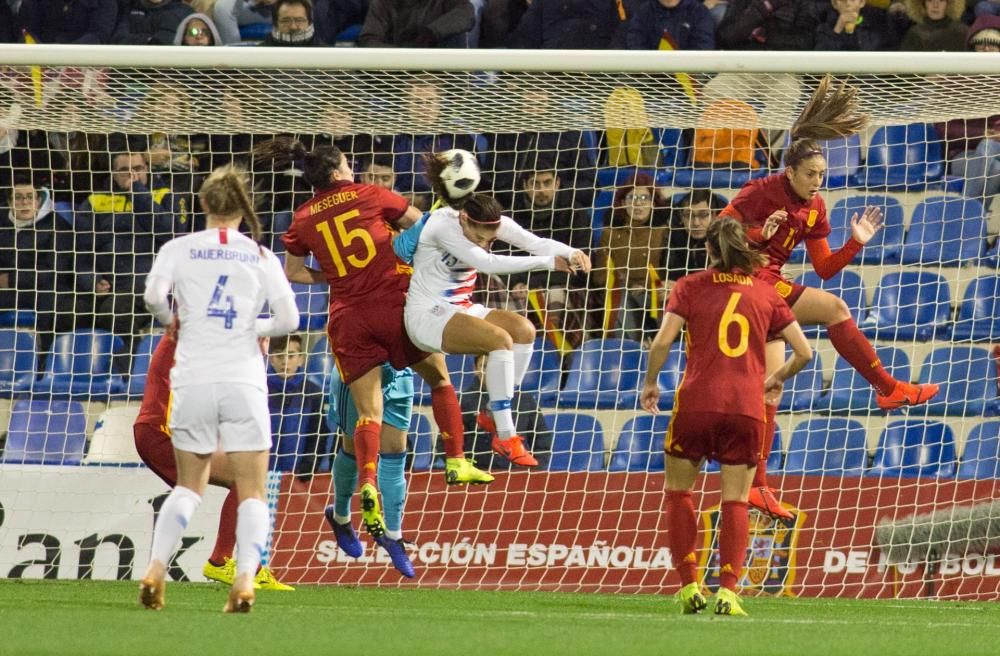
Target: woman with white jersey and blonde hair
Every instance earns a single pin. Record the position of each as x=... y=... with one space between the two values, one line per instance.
x=220 y=280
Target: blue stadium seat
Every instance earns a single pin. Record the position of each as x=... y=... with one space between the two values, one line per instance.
x=17 y=361
x=968 y=379
x=845 y=284
x=577 y=442
x=915 y=447
x=278 y=226
x=850 y=392
x=17 y=318
x=947 y=230
x=912 y=305
x=669 y=378
x=774 y=461
x=349 y=34
x=902 y=158
x=981 y=455
x=320 y=364
x=804 y=391
x=313 y=302
x=843 y=160
x=288 y=438
x=140 y=364
x=462 y=370
x=64 y=210
x=600 y=214
x=885 y=246
x=834 y=445
x=420 y=442
x=640 y=445
x=544 y=375
x=46 y=432
x=604 y=374
x=255 y=31
x=979 y=313
x=80 y=365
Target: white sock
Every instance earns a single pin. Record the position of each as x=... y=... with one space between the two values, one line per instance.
x=522 y=356
x=500 y=387
x=252 y=526
x=393 y=535
x=175 y=513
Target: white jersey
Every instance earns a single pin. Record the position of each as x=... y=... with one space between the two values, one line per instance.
x=446 y=263
x=221 y=280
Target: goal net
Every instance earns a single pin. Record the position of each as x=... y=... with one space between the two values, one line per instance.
x=625 y=155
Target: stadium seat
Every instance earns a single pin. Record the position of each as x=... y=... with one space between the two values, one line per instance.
x=885 y=246
x=140 y=364
x=968 y=379
x=979 y=313
x=600 y=214
x=349 y=34
x=577 y=442
x=981 y=455
x=313 y=302
x=278 y=226
x=255 y=31
x=845 y=284
x=833 y=445
x=80 y=365
x=774 y=461
x=17 y=361
x=46 y=432
x=461 y=368
x=320 y=364
x=113 y=441
x=913 y=305
x=804 y=391
x=64 y=210
x=947 y=230
x=604 y=374
x=544 y=375
x=850 y=392
x=17 y=318
x=420 y=442
x=288 y=438
x=915 y=447
x=669 y=379
x=902 y=158
x=640 y=445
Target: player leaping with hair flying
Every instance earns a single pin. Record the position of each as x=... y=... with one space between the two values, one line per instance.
x=782 y=210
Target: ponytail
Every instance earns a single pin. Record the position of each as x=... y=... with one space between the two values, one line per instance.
x=317 y=164
x=728 y=247
x=831 y=112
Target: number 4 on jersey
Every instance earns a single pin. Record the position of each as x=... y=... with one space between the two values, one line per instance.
x=222 y=307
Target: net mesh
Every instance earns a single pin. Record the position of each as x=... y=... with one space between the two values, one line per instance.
x=591 y=518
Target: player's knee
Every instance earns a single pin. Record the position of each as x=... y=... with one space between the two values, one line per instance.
x=497 y=340
x=523 y=331
x=839 y=310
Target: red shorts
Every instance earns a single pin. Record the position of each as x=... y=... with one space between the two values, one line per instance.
x=153 y=445
x=363 y=337
x=788 y=290
x=726 y=439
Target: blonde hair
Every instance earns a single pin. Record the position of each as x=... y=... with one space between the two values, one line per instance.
x=917 y=10
x=226 y=192
x=831 y=112
x=728 y=247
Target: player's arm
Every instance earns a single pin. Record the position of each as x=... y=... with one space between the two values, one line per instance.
x=514 y=234
x=405 y=243
x=158 y=283
x=801 y=355
x=448 y=236
x=409 y=217
x=658 y=352
x=863 y=228
x=297 y=271
x=280 y=297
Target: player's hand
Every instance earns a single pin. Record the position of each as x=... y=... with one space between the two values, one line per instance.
x=562 y=264
x=264 y=343
x=864 y=228
x=773 y=222
x=649 y=398
x=772 y=390
x=580 y=261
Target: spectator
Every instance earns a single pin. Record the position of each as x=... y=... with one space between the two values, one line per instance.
x=197 y=30
x=851 y=25
x=938 y=26
x=569 y=24
x=377 y=170
x=671 y=25
x=426 y=24
x=988 y=8
x=39 y=271
x=500 y=19
x=151 y=22
x=333 y=17
x=8 y=29
x=230 y=15
x=686 y=245
x=296 y=405
x=58 y=21
x=293 y=25
x=768 y=25
x=629 y=263
x=984 y=35
x=528 y=422
x=717 y=8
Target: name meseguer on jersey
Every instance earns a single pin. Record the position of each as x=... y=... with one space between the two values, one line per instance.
x=738 y=278
x=331 y=200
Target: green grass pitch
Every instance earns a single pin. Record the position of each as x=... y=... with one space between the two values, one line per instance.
x=101 y=618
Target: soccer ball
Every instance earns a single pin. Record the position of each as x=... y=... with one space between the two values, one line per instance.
x=461 y=176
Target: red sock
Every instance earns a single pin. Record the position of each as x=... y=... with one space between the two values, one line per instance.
x=760 y=476
x=734 y=533
x=682 y=533
x=225 y=539
x=858 y=351
x=448 y=415
x=367 y=435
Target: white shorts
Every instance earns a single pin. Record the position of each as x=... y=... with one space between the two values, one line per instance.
x=233 y=416
x=425 y=322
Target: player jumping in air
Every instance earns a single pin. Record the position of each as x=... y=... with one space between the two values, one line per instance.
x=784 y=209
x=729 y=315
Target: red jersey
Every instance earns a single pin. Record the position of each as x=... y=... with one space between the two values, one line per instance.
x=760 y=198
x=729 y=316
x=345 y=228
x=155 y=407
